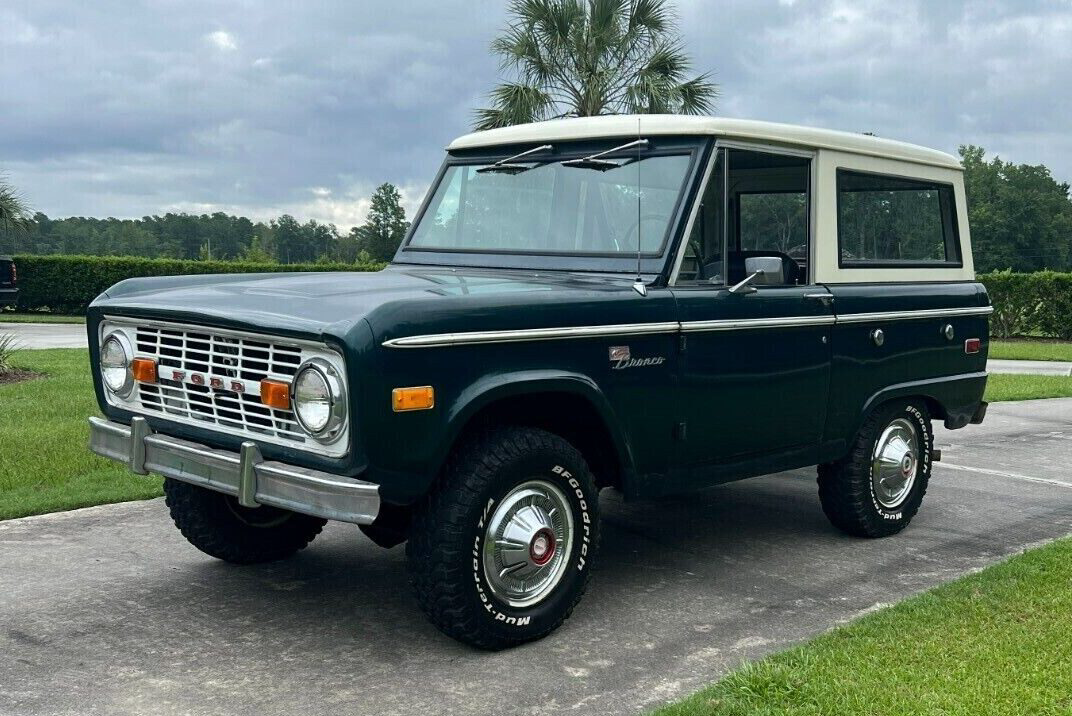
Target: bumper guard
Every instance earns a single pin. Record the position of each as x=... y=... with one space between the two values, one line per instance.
x=244 y=475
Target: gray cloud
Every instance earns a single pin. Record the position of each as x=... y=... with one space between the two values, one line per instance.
x=116 y=108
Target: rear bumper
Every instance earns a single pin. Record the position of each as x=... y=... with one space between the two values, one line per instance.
x=8 y=296
x=244 y=475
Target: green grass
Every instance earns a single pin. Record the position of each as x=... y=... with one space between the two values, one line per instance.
x=45 y=465
x=1031 y=350
x=10 y=317
x=1001 y=386
x=997 y=642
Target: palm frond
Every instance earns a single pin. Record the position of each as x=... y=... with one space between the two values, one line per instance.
x=14 y=214
x=587 y=57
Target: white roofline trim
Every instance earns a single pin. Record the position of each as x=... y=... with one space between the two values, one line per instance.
x=612 y=126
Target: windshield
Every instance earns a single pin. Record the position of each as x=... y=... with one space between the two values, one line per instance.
x=554 y=208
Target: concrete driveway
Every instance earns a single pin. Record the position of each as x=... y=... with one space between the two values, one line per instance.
x=47 y=335
x=109 y=611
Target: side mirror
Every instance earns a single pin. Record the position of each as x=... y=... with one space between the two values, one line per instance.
x=770 y=268
x=761 y=270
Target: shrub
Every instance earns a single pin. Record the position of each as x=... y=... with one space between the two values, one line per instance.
x=1015 y=300
x=8 y=346
x=1053 y=312
x=67 y=284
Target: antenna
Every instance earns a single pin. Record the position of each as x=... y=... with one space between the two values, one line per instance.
x=638 y=285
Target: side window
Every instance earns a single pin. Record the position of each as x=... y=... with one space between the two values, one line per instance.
x=775 y=222
x=892 y=221
x=755 y=206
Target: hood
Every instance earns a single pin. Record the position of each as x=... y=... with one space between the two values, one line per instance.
x=333 y=303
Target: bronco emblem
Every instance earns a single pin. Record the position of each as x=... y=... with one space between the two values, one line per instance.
x=621 y=359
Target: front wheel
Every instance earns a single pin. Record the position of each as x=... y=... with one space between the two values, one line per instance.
x=501 y=551
x=218 y=526
x=876 y=490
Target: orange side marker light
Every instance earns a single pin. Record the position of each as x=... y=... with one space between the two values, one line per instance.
x=418 y=398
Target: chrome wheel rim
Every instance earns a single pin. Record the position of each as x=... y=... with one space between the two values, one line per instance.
x=527 y=543
x=895 y=463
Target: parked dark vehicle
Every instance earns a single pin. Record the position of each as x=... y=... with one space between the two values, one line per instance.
x=578 y=306
x=9 y=279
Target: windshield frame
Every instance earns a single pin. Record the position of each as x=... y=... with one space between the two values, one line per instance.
x=651 y=263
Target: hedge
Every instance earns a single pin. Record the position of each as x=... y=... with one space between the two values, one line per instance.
x=1030 y=303
x=1024 y=303
x=67 y=284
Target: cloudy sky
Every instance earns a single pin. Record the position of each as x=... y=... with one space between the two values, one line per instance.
x=259 y=107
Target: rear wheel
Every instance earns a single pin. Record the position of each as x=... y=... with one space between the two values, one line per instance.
x=218 y=526
x=878 y=487
x=501 y=551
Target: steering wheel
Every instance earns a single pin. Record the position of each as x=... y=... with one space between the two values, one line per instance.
x=631 y=234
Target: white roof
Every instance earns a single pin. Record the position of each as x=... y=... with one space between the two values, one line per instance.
x=625 y=126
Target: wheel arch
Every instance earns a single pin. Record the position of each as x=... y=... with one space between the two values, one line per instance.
x=952 y=399
x=570 y=405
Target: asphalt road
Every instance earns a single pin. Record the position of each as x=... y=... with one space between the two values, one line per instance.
x=109 y=611
x=47 y=335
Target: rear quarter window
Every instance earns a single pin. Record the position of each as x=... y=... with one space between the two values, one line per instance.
x=890 y=221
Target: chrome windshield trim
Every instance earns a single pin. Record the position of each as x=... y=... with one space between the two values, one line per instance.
x=912 y=315
x=531 y=334
x=438 y=340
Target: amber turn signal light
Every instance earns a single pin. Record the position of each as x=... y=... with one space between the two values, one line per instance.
x=143 y=370
x=275 y=394
x=419 y=398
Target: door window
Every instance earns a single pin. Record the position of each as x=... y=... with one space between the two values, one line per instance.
x=755 y=205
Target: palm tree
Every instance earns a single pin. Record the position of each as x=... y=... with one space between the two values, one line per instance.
x=14 y=216
x=579 y=58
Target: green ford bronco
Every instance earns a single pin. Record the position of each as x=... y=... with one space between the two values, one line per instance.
x=651 y=304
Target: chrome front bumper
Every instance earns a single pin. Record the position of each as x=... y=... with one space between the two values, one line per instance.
x=244 y=475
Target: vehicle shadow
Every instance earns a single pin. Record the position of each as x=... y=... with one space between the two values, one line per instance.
x=344 y=593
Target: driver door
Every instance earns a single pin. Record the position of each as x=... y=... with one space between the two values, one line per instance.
x=756 y=359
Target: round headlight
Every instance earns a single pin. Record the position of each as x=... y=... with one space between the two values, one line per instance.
x=115 y=357
x=319 y=399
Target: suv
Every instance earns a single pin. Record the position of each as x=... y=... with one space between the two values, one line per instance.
x=9 y=279
x=651 y=304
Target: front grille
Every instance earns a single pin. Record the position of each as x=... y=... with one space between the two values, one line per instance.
x=212 y=377
x=234 y=361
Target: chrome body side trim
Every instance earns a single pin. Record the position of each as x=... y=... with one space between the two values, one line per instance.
x=438 y=340
x=242 y=475
x=747 y=324
x=531 y=334
x=913 y=315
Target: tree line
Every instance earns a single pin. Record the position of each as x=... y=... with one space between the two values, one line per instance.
x=1021 y=219
x=218 y=236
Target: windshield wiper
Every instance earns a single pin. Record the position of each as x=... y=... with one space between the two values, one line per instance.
x=506 y=166
x=593 y=161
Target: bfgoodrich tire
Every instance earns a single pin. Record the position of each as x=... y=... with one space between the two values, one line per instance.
x=876 y=490
x=501 y=550
x=218 y=526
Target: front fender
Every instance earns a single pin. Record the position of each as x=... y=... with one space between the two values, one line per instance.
x=490 y=389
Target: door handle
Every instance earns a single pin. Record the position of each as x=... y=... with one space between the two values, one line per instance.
x=826 y=298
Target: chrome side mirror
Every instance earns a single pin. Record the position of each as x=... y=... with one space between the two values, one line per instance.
x=760 y=270
x=743 y=286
